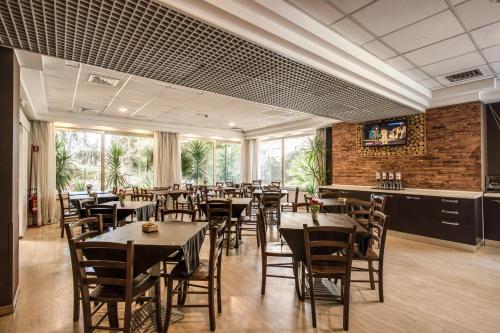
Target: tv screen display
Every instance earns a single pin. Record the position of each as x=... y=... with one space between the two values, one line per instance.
x=385 y=133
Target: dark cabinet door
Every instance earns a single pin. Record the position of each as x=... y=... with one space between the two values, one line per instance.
x=452 y=229
x=413 y=215
x=492 y=218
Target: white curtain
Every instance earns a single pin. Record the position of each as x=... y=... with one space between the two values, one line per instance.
x=166 y=159
x=249 y=160
x=44 y=170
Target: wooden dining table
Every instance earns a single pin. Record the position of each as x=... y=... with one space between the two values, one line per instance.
x=238 y=206
x=173 y=193
x=292 y=230
x=258 y=192
x=142 y=209
x=150 y=249
x=101 y=197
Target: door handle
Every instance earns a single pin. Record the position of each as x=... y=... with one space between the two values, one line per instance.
x=412 y=198
x=454 y=212
x=449 y=201
x=450 y=223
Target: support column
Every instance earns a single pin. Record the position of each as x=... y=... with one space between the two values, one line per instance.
x=9 y=190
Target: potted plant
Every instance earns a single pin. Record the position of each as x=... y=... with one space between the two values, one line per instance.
x=314 y=207
x=121 y=196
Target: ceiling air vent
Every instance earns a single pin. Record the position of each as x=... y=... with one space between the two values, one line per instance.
x=88 y=110
x=464 y=75
x=103 y=80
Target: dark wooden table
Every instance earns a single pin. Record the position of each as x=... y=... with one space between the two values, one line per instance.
x=143 y=209
x=238 y=206
x=292 y=229
x=101 y=197
x=259 y=192
x=174 y=194
x=150 y=249
x=332 y=205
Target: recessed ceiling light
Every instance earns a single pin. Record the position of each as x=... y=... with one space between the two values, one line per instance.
x=122 y=109
x=232 y=124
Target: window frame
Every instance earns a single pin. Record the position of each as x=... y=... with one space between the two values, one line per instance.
x=282 y=139
x=103 y=134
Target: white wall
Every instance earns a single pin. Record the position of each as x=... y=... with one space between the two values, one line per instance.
x=24 y=149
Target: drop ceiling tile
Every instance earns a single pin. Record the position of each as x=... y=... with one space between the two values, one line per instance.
x=476 y=13
x=416 y=74
x=400 y=63
x=428 y=31
x=496 y=67
x=352 y=31
x=349 y=6
x=379 y=49
x=487 y=36
x=431 y=83
x=454 y=64
x=385 y=16
x=319 y=9
x=445 y=49
x=492 y=53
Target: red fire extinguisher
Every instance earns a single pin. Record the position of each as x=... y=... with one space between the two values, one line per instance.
x=32 y=191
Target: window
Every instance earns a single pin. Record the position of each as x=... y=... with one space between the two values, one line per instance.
x=104 y=160
x=227 y=162
x=210 y=161
x=270 y=160
x=129 y=161
x=283 y=160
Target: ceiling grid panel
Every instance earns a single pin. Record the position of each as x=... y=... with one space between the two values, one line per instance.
x=148 y=39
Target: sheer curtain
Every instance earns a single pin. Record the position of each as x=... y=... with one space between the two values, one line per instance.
x=166 y=159
x=249 y=160
x=44 y=170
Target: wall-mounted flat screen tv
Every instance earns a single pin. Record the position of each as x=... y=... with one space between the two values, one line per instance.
x=385 y=133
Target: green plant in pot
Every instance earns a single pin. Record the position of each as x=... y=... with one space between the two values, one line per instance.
x=114 y=155
x=65 y=169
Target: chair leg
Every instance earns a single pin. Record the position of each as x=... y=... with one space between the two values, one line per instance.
x=264 y=274
x=62 y=228
x=87 y=316
x=370 y=272
x=228 y=242
x=219 y=291
x=313 y=304
x=303 y=281
x=380 y=283
x=76 y=301
x=158 y=306
x=127 y=317
x=345 y=309
x=168 y=311
x=296 y=278
x=211 y=305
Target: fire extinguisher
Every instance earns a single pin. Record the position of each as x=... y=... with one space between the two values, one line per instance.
x=32 y=191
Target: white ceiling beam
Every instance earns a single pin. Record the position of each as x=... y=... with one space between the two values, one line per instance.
x=99 y=122
x=75 y=89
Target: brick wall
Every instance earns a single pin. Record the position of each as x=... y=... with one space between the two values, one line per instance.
x=452 y=160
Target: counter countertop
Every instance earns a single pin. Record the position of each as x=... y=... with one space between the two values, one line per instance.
x=492 y=194
x=412 y=191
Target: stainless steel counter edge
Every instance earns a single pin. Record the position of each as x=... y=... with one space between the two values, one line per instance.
x=412 y=191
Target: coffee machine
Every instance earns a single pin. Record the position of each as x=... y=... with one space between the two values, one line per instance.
x=389 y=180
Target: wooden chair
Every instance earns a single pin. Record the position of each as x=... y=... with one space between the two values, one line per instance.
x=271 y=202
x=116 y=283
x=169 y=212
x=220 y=184
x=219 y=210
x=176 y=186
x=257 y=183
x=79 y=231
x=143 y=197
x=209 y=271
x=274 y=249
x=114 y=190
x=67 y=214
x=135 y=190
x=378 y=232
x=232 y=193
x=289 y=206
x=320 y=263
x=230 y=184
x=276 y=184
x=109 y=214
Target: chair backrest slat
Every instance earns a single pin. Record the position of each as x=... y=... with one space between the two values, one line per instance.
x=182 y=212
